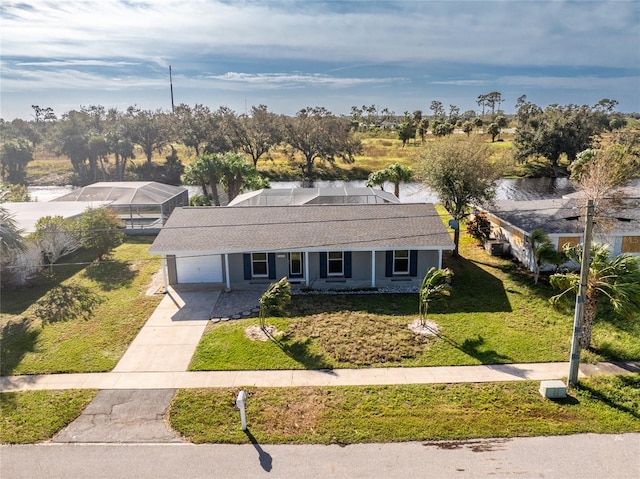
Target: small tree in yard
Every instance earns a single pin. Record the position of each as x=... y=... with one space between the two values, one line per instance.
x=101 y=231
x=435 y=287
x=479 y=228
x=274 y=299
x=615 y=280
x=461 y=174
x=65 y=303
x=57 y=237
x=542 y=250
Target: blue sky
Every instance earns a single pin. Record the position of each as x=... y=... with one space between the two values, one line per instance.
x=292 y=54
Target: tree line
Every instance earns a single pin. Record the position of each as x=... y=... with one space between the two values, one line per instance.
x=101 y=143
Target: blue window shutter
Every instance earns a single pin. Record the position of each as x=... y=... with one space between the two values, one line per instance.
x=347 y=264
x=388 y=264
x=246 y=258
x=413 y=262
x=271 y=263
x=323 y=264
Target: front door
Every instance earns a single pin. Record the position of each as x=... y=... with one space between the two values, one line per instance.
x=296 y=261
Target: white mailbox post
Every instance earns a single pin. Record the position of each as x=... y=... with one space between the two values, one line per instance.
x=240 y=404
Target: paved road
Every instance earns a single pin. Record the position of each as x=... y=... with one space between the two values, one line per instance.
x=579 y=456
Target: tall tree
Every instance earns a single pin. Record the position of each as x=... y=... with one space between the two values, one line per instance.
x=317 y=134
x=406 y=130
x=437 y=110
x=256 y=134
x=71 y=138
x=14 y=157
x=460 y=173
x=236 y=174
x=613 y=280
x=150 y=130
x=206 y=170
x=492 y=99
x=194 y=125
x=555 y=131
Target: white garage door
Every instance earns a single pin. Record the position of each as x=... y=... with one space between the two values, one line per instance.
x=194 y=268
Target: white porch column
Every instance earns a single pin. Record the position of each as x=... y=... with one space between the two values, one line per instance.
x=373 y=269
x=226 y=270
x=306 y=268
x=439 y=259
x=164 y=273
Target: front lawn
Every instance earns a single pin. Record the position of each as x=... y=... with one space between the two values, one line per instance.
x=494 y=315
x=348 y=415
x=80 y=345
x=34 y=416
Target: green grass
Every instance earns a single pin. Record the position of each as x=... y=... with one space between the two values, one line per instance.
x=494 y=315
x=79 y=345
x=34 y=416
x=347 y=415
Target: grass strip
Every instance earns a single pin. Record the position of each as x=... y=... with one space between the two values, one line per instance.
x=34 y=416
x=348 y=415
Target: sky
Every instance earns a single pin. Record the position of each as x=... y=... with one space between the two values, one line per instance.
x=298 y=53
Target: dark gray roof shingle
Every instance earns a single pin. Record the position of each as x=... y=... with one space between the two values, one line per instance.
x=317 y=227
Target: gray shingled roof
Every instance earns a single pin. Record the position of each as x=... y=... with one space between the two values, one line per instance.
x=559 y=216
x=317 y=227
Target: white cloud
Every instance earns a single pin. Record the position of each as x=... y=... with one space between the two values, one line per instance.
x=524 y=33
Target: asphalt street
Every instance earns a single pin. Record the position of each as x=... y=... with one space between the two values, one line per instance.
x=567 y=457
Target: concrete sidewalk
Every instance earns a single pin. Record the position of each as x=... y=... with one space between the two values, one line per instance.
x=287 y=378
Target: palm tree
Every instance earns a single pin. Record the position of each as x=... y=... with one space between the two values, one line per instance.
x=10 y=235
x=542 y=251
x=395 y=173
x=435 y=287
x=613 y=279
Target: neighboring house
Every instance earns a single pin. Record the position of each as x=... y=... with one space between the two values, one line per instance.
x=319 y=246
x=141 y=205
x=313 y=196
x=564 y=221
x=23 y=265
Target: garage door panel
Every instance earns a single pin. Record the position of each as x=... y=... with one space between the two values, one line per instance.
x=198 y=268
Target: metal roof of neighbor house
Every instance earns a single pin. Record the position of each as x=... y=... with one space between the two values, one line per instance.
x=301 y=196
x=27 y=214
x=125 y=192
x=316 y=227
x=560 y=216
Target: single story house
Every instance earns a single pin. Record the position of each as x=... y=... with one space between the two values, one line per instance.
x=563 y=220
x=314 y=246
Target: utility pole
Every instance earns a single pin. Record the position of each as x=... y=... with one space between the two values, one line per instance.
x=171 y=85
x=578 y=319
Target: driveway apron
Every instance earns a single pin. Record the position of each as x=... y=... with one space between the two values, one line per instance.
x=165 y=343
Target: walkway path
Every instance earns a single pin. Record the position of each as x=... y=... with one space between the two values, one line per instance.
x=286 y=378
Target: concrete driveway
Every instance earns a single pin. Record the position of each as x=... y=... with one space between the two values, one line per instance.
x=171 y=334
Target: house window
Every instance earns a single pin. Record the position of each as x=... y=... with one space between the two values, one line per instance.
x=259 y=266
x=401 y=261
x=295 y=264
x=335 y=263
